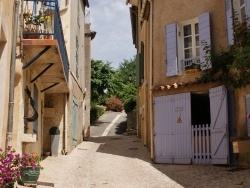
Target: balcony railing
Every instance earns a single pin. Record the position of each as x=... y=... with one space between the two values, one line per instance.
x=191 y=61
x=44 y=22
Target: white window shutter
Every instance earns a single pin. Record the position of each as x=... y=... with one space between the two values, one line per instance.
x=205 y=40
x=248 y=113
x=171 y=50
x=229 y=17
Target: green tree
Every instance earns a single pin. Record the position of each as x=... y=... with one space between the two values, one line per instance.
x=103 y=81
x=127 y=75
x=107 y=82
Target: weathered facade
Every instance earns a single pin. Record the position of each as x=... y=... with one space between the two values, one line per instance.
x=49 y=89
x=6 y=40
x=179 y=120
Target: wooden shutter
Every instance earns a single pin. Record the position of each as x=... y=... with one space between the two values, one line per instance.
x=172 y=129
x=142 y=61
x=205 y=40
x=171 y=50
x=247 y=2
x=248 y=113
x=219 y=125
x=138 y=72
x=229 y=17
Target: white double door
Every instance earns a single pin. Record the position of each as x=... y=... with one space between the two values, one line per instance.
x=172 y=127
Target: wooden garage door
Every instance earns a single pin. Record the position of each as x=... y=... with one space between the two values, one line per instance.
x=219 y=125
x=172 y=126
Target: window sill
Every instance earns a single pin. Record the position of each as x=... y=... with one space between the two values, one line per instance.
x=29 y=138
x=191 y=71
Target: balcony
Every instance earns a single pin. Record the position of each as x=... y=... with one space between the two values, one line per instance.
x=44 y=45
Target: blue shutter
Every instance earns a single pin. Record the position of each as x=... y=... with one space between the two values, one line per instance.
x=229 y=17
x=247 y=2
x=205 y=40
x=248 y=113
x=171 y=50
x=138 y=70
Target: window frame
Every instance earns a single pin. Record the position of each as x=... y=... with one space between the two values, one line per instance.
x=237 y=8
x=180 y=41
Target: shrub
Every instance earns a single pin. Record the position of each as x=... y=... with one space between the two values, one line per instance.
x=130 y=105
x=114 y=104
x=95 y=113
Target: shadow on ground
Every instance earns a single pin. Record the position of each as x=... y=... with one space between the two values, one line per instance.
x=121 y=128
x=191 y=176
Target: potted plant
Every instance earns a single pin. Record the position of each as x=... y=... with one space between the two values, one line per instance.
x=30 y=168
x=14 y=167
x=9 y=168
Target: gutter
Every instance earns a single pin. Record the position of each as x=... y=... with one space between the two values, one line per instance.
x=12 y=76
x=151 y=80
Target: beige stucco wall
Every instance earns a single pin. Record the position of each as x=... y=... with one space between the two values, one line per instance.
x=240 y=120
x=87 y=80
x=6 y=34
x=168 y=12
x=73 y=26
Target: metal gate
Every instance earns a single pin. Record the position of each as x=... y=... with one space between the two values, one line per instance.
x=173 y=129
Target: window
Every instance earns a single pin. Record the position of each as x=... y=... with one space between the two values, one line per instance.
x=189 y=54
x=240 y=9
x=185 y=44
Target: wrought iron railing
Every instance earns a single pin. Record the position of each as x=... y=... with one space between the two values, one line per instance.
x=60 y=39
x=44 y=22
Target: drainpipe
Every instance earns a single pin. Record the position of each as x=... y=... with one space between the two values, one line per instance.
x=12 y=76
x=151 y=79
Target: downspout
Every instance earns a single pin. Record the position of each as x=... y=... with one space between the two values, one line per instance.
x=12 y=76
x=151 y=80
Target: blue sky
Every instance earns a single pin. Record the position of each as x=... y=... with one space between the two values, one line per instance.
x=113 y=41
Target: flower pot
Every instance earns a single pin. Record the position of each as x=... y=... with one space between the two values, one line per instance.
x=29 y=175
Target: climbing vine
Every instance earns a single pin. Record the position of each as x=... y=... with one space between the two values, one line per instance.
x=232 y=67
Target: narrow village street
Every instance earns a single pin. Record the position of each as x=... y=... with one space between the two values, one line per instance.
x=110 y=159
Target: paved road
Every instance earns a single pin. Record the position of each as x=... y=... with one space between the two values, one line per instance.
x=119 y=127
x=118 y=161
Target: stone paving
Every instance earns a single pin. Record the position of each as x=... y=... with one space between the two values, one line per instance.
x=123 y=162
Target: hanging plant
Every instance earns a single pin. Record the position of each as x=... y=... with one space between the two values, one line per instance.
x=232 y=67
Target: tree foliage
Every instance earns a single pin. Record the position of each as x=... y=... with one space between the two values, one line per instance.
x=101 y=80
x=127 y=74
x=107 y=82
